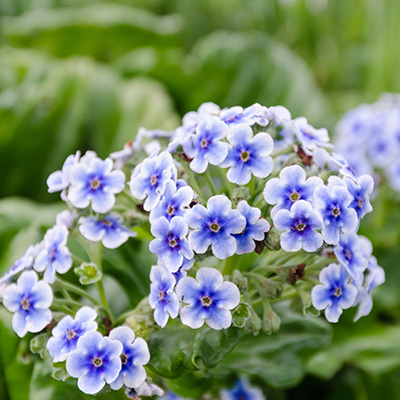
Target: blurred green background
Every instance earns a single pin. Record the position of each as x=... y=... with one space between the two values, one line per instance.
x=86 y=74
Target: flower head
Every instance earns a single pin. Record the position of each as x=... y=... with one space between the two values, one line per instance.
x=361 y=191
x=135 y=354
x=95 y=362
x=309 y=137
x=108 y=230
x=335 y=294
x=60 y=180
x=95 y=183
x=162 y=297
x=68 y=331
x=249 y=155
x=55 y=256
x=209 y=299
x=215 y=226
x=29 y=300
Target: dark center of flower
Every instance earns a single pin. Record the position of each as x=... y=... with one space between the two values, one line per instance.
x=338 y=292
x=107 y=222
x=153 y=180
x=124 y=359
x=25 y=304
x=245 y=155
x=295 y=196
x=161 y=295
x=215 y=227
x=360 y=203
x=300 y=227
x=336 y=211
x=170 y=210
x=172 y=242
x=348 y=255
x=95 y=183
x=51 y=254
x=206 y=301
x=204 y=143
x=70 y=334
x=97 y=362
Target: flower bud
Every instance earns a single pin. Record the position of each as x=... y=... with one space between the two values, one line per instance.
x=271 y=323
x=240 y=281
x=240 y=315
x=273 y=240
x=273 y=289
x=253 y=324
x=241 y=193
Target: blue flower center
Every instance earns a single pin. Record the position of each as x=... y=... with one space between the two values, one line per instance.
x=107 y=223
x=170 y=210
x=338 y=292
x=294 y=196
x=300 y=227
x=161 y=295
x=97 y=362
x=206 y=301
x=336 y=211
x=172 y=242
x=25 y=304
x=347 y=255
x=245 y=155
x=95 y=183
x=204 y=143
x=70 y=334
x=215 y=227
x=124 y=358
x=153 y=180
x=360 y=202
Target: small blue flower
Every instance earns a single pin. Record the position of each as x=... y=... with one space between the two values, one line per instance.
x=108 y=230
x=182 y=270
x=215 y=226
x=209 y=299
x=255 y=229
x=55 y=256
x=236 y=115
x=249 y=155
x=242 y=391
x=333 y=205
x=170 y=244
x=94 y=182
x=300 y=225
x=174 y=202
x=291 y=186
x=60 y=180
x=68 y=331
x=205 y=146
x=353 y=252
x=135 y=354
x=361 y=193
x=375 y=277
x=150 y=177
x=146 y=389
x=335 y=294
x=29 y=300
x=162 y=297
x=309 y=137
x=95 y=362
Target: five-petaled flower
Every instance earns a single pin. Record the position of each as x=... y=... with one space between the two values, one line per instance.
x=215 y=226
x=249 y=155
x=209 y=299
x=95 y=362
x=68 y=331
x=29 y=300
x=335 y=294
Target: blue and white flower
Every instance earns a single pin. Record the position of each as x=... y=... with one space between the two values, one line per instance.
x=162 y=297
x=94 y=182
x=182 y=270
x=361 y=191
x=135 y=354
x=335 y=294
x=109 y=230
x=95 y=362
x=290 y=187
x=215 y=226
x=170 y=245
x=249 y=155
x=29 y=300
x=55 y=256
x=242 y=390
x=205 y=146
x=309 y=137
x=300 y=226
x=68 y=331
x=255 y=229
x=145 y=389
x=237 y=115
x=333 y=206
x=209 y=299
x=150 y=177
x=174 y=202
x=60 y=180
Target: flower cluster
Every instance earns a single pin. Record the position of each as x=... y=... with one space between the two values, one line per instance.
x=369 y=137
x=236 y=207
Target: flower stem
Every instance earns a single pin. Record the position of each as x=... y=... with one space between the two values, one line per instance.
x=210 y=182
x=74 y=289
x=192 y=179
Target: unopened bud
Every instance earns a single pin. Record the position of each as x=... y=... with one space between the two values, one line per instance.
x=273 y=289
x=273 y=240
x=271 y=323
x=241 y=193
x=240 y=281
x=253 y=324
x=240 y=315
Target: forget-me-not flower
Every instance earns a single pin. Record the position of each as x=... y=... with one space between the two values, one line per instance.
x=135 y=354
x=242 y=391
x=150 y=177
x=205 y=145
x=335 y=294
x=300 y=225
x=60 y=180
x=361 y=192
x=109 y=230
x=162 y=297
x=290 y=187
x=249 y=155
x=170 y=244
x=237 y=115
x=68 y=331
x=182 y=270
x=95 y=183
x=55 y=256
x=174 y=202
x=255 y=229
x=209 y=299
x=29 y=300
x=215 y=226
x=95 y=362
x=309 y=137
x=333 y=206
